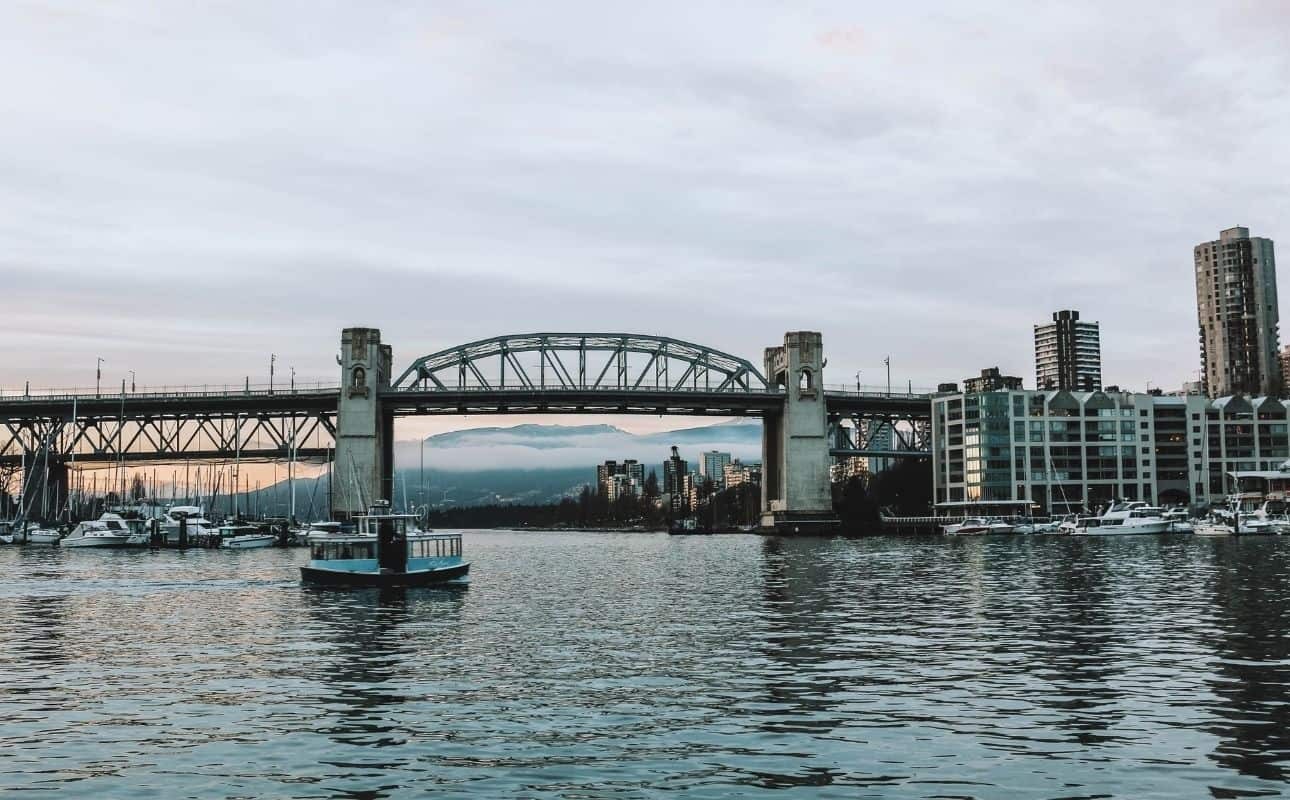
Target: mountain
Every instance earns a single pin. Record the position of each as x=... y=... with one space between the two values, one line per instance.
x=545 y=447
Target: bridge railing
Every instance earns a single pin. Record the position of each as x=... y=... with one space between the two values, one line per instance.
x=473 y=387
x=167 y=392
x=899 y=392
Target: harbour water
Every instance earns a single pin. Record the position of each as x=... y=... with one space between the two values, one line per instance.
x=639 y=666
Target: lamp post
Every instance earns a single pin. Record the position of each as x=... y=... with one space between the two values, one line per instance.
x=131 y=381
x=293 y=380
x=857 y=381
x=887 y=361
x=98 y=378
x=272 y=358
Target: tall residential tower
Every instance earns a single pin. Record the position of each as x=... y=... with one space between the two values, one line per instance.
x=1236 y=305
x=1068 y=354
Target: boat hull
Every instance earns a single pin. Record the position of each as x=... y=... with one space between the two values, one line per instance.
x=1126 y=530
x=98 y=543
x=248 y=542
x=429 y=577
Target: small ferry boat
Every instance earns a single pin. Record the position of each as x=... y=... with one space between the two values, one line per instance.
x=689 y=527
x=385 y=551
x=240 y=536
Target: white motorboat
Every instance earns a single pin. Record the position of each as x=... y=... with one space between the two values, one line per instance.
x=108 y=530
x=192 y=518
x=1121 y=519
x=244 y=537
x=319 y=531
x=44 y=536
x=972 y=526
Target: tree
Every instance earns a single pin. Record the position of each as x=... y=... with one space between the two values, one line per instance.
x=8 y=484
x=856 y=509
x=651 y=485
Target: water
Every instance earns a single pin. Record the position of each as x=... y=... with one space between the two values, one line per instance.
x=636 y=666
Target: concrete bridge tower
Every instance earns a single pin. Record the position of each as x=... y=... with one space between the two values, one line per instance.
x=364 y=467
x=796 y=492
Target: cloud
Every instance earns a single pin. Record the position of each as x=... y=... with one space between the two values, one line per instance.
x=190 y=188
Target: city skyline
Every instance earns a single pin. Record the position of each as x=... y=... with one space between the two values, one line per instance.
x=402 y=181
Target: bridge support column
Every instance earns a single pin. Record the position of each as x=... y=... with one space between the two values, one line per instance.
x=796 y=494
x=364 y=468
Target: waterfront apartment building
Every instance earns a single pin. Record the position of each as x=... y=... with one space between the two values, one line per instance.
x=712 y=465
x=1236 y=305
x=1067 y=451
x=1068 y=354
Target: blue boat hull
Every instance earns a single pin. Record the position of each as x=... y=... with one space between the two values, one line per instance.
x=429 y=577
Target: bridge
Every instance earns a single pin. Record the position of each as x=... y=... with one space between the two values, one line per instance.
x=805 y=424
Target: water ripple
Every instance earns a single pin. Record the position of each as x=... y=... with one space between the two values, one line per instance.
x=630 y=666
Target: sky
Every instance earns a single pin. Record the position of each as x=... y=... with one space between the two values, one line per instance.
x=186 y=188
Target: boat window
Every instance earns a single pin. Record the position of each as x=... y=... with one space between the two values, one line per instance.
x=333 y=551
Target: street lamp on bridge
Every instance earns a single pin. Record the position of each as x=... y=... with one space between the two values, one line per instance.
x=272 y=358
x=131 y=381
x=98 y=378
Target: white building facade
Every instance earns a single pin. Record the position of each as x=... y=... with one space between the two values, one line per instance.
x=1067 y=451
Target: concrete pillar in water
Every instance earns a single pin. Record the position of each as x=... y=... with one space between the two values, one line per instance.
x=364 y=468
x=796 y=493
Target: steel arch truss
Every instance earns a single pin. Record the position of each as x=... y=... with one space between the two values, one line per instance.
x=879 y=435
x=582 y=362
x=219 y=435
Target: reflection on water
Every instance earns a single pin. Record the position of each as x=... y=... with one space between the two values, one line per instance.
x=582 y=665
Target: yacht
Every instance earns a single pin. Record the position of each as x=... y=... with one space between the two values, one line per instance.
x=108 y=530
x=44 y=536
x=1126 y=518
x=979 y=526
x=240 y=536
x=972 y=526
x=321 y=530
x=193 y=519
x=384 y=553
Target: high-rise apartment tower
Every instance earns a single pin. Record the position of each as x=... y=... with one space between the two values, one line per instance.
x=1236 y=306
x=1068 y=354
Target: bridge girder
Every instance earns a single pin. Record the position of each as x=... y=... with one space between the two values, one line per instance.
x=202 y=434
x=582 y=362
x=879 y=432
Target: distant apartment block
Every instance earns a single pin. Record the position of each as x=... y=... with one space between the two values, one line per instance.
x=676 y=474
x=614 y=477
x=991 y=380
x=712 y=465
x=737 y=473
x=847 y=468
x=1236 y=305
x=1068 y=354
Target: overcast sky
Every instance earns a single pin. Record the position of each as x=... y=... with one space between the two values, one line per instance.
x=187 y=187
